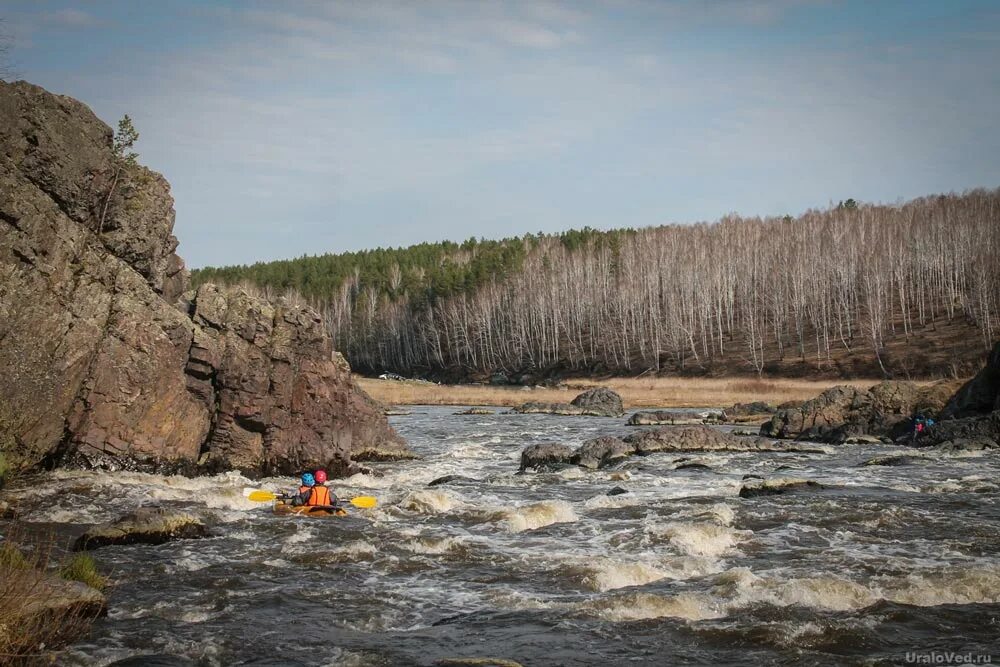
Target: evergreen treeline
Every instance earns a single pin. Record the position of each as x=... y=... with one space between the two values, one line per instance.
x=742 y=292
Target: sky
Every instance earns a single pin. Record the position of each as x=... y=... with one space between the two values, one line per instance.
x=305 y=127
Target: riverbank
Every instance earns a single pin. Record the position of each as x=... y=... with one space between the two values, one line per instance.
x=635 y=392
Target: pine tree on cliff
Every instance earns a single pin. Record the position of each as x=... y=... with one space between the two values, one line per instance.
x=124 y=140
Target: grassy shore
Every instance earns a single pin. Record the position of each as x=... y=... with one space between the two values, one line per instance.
x=635 y=392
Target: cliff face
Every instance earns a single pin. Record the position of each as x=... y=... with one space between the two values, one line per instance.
x=102 y=355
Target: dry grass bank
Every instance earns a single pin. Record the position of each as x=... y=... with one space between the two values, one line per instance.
x=635 y=392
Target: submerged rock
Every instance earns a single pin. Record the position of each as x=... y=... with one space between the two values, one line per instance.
x=900 y=460
x=616 y=491
x=476 y=662
x=693 y=466
x=597 y=402
x=147 y=525
x=105 y=353
x=774 y=487
x=448 y=479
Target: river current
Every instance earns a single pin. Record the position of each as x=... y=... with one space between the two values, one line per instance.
x=888 y=565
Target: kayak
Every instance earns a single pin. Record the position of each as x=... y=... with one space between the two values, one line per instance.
x=306 y=510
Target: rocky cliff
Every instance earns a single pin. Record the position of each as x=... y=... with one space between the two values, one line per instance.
x=104 y=359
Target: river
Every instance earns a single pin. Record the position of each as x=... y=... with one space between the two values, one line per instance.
x=888 y=565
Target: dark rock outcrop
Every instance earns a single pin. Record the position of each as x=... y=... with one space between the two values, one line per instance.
x=147 y=525
x=597 y=402
x=971 y=419
x=101 y=359
x=981 y=394
x=843 y=412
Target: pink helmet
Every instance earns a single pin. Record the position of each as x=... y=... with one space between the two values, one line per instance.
x=320 y=476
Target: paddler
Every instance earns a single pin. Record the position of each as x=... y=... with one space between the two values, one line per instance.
x=305 y=489
x=320 y=495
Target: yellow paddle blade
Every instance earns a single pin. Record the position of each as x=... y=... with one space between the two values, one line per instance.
x=259 y=496
x=364 y=501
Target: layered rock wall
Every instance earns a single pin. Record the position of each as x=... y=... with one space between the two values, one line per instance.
x=102 y=356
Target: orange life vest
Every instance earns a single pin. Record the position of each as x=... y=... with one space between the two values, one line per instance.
x=304 y=489
x=320 y=496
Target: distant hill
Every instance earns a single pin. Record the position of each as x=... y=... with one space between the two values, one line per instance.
x=856 y=290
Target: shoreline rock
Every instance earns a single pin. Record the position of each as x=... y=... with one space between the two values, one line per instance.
x=844 y=412
x=107 y=357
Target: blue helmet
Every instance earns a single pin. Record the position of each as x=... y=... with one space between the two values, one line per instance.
x=308 y=479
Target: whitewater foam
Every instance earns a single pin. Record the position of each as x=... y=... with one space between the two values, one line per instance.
x=537 y=515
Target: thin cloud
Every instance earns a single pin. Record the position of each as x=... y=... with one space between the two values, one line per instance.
x=70 y=18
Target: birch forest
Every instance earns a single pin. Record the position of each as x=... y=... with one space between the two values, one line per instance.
x=908 y=289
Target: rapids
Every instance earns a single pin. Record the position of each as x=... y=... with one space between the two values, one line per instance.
x=545 y=568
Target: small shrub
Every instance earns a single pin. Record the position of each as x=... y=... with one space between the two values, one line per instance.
x=83 y=568
x=11 y=558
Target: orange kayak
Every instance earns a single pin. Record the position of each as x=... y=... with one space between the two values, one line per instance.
x=305 y=510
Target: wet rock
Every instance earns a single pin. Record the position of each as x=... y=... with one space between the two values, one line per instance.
x=704 y=438
x=968 y=445
x=744 y=432
x=899 y=460
x=616 y=491
x=475 y=411
x=692 y=466
x=545 y=455
x=105 y=354
x=147 y=525
x=448 y=479
x=864 y=440
x=476 y=662
x=598 y=402
x=601 y=452
x=843 y=412
x=663 y=418
x=757 y=488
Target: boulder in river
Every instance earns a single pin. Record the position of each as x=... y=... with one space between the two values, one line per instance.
x=147 y=525
x=597 y=402
x=545 y=455
x=774 y=487
x=601 y=452
x=107 y=355
x=663 y=418
x=705 y=438
x=475 y=411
